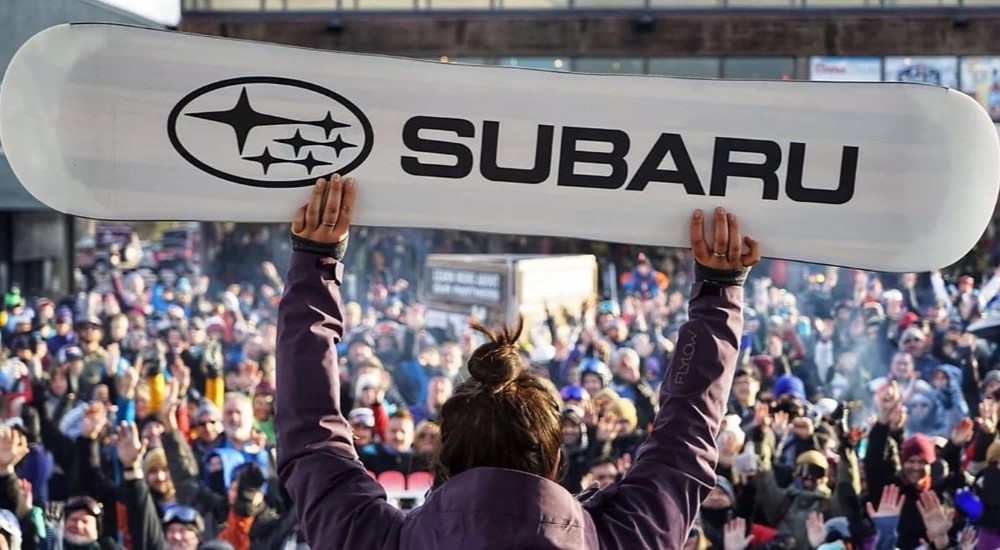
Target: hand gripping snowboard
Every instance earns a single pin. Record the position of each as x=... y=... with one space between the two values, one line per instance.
x=119 y=122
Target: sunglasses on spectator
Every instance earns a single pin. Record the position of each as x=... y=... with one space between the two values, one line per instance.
x=183 y=514
x=85 y=503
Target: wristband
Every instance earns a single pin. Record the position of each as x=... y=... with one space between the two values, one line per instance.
x=334 y=250
x=721 y=277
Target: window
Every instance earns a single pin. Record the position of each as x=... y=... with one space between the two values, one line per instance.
x=550 y=63
x=765 y=68
x=702 y=67
x=612 y=65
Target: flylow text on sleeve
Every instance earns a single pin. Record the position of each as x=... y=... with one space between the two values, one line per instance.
x=655 y=504
x=338 y=504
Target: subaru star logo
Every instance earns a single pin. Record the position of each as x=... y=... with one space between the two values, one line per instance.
x=269 y=131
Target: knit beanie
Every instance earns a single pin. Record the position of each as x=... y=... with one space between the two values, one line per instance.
x=919 y=445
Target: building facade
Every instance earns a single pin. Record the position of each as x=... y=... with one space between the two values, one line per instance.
x=36 y=243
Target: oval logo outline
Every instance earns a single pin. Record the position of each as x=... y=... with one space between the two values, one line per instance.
x=281 y=81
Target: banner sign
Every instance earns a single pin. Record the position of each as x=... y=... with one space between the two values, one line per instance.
x=465 y=285
x=934 y=70
x=845 y=69
x=119 y=122
x=981 y=80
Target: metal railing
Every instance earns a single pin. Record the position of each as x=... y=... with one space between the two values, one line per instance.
x=486 y=5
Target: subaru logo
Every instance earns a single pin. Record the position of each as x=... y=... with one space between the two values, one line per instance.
x=269 y=131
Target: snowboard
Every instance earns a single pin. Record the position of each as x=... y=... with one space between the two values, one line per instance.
x=127 y=123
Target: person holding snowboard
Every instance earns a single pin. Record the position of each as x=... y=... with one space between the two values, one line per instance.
x=498 y=460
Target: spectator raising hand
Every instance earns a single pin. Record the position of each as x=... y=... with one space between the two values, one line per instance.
x=937 y=520
x=130 y=447
x=816 y=528
x=13 y=448
x=989 y=413
x=95 y=419
x=968 y=539
x=735 y=535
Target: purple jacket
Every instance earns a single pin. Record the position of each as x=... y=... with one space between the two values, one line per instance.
x=340 y=506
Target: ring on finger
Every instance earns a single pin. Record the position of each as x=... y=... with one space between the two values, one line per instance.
x=327 y=224
x=717 y=255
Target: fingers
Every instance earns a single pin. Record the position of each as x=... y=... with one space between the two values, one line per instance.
x=871 y=509
x=721 y=232
x=332 y=208
x=313 y=207
x=752 y=257
x=698 y=245
x=346 y=208
x=735 y=241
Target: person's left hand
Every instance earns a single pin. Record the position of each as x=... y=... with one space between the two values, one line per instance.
x=969 y=539
x=130 y=447
x=726 y=251
x=962 y=433
x=816 y=529
x=937 y=521
x=735 y=535
x=326 y=218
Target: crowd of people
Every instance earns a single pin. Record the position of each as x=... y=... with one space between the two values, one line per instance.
x=139 y=414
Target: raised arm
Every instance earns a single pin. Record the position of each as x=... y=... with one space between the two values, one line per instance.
x=880 y=462
x=656 y=503
x=338 y=505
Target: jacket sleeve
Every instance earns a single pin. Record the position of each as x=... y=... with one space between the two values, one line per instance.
x=657 y=501
x=87 y=477
x=769 y=495
x=183 y=467
x=338 y=504
x=56 y=442
x=10 y=496
x=879 y=468
x=143 y=522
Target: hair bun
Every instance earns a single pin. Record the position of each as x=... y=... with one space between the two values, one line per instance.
x=497 y=362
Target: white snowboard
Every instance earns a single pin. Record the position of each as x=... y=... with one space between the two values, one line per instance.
x=120 y=122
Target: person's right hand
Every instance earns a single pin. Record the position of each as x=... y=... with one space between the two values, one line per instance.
x=606 y=427
x=726 y=250
x=962 y=433
x=887 y=399
x=780 y=425
x=130 y=448
x=95 y=418
x=326 y=218
x=171 y=402
x=988 y=416
x=13 y=448
x=126 y=382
